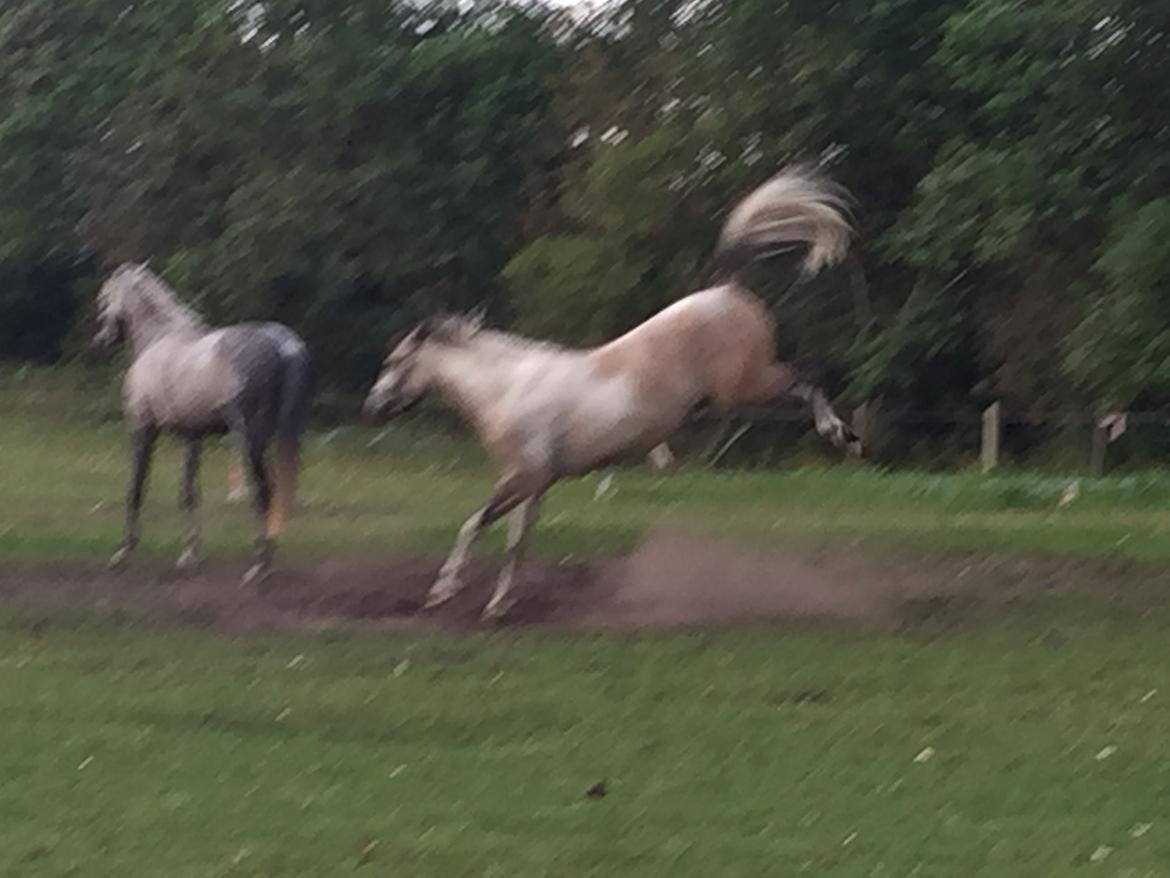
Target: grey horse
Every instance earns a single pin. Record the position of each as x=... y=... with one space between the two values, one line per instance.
x=251 y=379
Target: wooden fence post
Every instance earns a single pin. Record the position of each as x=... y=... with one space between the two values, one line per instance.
x=1107 y=430
x=992 y=432
x=1097 y=454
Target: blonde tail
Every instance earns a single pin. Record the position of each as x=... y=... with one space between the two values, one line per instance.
x=798 y=205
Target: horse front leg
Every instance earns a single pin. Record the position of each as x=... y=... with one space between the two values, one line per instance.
x=142 y=440
x=519 y=526
x=189 y=504
x=450 y=580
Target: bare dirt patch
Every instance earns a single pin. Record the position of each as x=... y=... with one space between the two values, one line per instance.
x=671 y=580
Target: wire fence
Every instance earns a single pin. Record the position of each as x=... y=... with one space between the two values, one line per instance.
x=760 y=437
x=774 y=438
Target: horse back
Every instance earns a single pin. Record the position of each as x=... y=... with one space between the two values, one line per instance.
x=202 y=384
x=260 y=355
x=713 y=343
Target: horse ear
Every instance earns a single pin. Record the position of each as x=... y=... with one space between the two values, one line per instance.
x=476 y=316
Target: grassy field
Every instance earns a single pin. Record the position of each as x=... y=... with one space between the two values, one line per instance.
x=1025 y=740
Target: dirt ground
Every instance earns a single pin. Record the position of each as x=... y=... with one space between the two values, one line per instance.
x=670 y=580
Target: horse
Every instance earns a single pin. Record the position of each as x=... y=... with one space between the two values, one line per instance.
x=251 y=380
x=546 y=413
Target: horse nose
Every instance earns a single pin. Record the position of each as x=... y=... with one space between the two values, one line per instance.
x=372 y=406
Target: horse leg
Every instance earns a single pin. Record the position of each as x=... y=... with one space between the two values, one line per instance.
x=781 y=379
x=262 y=502
x=237 y=489
x=828 y=423
x=450 y=583
x=661 y=457
x=142 y=439
x=519 y=526
x=189 y=504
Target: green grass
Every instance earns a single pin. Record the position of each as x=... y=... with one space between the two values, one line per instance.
x=172 y=753
x=407 y=488
x=129 y=749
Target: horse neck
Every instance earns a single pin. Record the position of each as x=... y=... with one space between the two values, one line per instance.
x=470 y=377
x=149 y=321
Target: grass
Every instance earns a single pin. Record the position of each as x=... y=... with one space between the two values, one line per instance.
x=171 y=753
x=407 y=488
x=1021 y=740
x=364 y=500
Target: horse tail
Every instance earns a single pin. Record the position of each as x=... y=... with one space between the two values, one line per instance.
x=797 y=206
x=292 y=417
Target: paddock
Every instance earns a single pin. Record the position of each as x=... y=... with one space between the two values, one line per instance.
x=669 y=581
x=818 y=668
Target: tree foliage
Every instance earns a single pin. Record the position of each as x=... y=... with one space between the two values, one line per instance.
x=349 y=166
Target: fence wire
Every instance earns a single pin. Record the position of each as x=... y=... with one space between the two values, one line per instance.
x=766 y=438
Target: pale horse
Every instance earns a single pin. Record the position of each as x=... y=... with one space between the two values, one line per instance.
x=251 y=380
x=546 y=413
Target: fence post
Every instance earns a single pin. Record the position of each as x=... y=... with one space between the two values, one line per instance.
x=1097 y=455
x=992 y=432
x=1106 y=430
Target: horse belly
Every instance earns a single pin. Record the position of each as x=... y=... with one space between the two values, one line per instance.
x=199 y=410
x=617 y=423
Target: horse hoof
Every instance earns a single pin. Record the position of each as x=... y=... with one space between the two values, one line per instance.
x=188 y=561
x=441 y=592
x=434 y=601
x=256 y=574
x=496 y=612
x=119 y=559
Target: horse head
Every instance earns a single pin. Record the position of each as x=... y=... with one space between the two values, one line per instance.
x=408 y=372
x=113 y=306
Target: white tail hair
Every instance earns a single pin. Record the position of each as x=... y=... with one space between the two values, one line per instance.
x=798 y=205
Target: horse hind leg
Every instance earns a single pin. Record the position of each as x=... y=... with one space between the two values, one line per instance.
x=519 y=526
x=828 y=423
x=142 y=441
x=189 y=504
x=262 y=503
x=778 y=380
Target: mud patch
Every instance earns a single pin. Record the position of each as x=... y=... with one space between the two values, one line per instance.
x=670 y=580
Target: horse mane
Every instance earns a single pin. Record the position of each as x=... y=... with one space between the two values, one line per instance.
x=461 y=330
x=516 y=342
x=156 y=296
